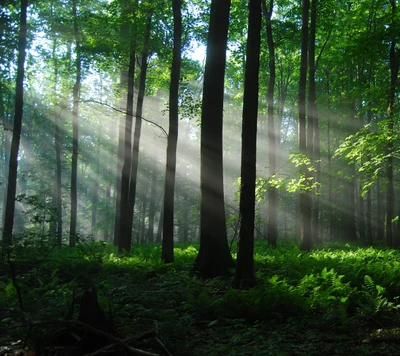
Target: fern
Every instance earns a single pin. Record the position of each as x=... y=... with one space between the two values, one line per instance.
x=374 y=301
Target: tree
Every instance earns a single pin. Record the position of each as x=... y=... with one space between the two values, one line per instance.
x=244 y=276
x=124 y=243
x=305 y=202
x=75 y=125
x=16 y=137
x=132 y=158
x=394 y=71
x=167 y=254
x=312 y=115
x=272 y=212
x=214 y=258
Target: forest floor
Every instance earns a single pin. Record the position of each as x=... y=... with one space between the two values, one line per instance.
x=335 y=300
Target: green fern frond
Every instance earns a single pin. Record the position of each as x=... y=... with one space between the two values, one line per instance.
x=370 y=286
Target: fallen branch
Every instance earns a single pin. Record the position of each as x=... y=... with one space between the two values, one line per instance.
x=128 y=340
x=129 y=349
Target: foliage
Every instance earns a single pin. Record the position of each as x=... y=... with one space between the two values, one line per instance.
x=337 y=288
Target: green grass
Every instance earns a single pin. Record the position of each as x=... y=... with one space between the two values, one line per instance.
x=333 y=298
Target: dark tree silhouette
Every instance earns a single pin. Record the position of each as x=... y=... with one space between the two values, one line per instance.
x=167 y=254
x=244 y=277
x=272 y=211
x=214 y=258
x=305 y=203
x=75 y=131
x=16 y=137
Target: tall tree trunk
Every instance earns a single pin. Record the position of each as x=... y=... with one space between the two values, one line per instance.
x=394 y=70
x=272 y=210
x=313 y=125
x=75 y=132
x=368 y=212
x=133 y=173
x=214 y=258
x=16 y=137
x=124 y=243
x=153 y=194
x=160 y=227
x=95 y=184
x=305 y=201
x=58 y=141
x=167 y=254
x=330 y=204
x=120 y=164
x=350 y=230
x=379 y=207
x=244 y=276
x=144 y=212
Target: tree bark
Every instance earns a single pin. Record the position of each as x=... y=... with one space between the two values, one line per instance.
x=214 y=258
x=120 y=164
x=394 y=70
x=75 y=132
x=244 y=276
x=124 y=243
x=133 y=172
x=305 y=202
x=167 y=253
x=272 y=210
x=16 y=137
x=313 y=126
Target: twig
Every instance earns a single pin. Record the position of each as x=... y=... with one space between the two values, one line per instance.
x=130 y=350
x=124 y=112
x=127 y=340
x=164 y=347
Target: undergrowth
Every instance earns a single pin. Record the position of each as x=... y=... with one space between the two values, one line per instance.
x=332 y=288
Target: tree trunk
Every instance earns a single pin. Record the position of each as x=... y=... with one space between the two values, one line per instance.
x=244 y=276
x=124 y=243
x=58 y=141
x=120 y=164
x=153 y=194
x=133 y=172
x=16 y=137
x=214 y=258
x=313 y=125
x=305 y=201
x=75 y=134
x=350 y=230
x=394 y=70
x=167 y=253
x=272 y=210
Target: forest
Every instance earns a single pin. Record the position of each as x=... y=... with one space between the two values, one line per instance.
x=206 y=177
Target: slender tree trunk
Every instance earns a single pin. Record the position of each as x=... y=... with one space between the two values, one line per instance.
x=75 y=134
x=394 y=70
x=305 y=201
x=153 y=194
x=167 y=254
x=120 y=164
x=133 y=173
x=144 y=212
x=379 y=216
x=160 y=227
x=58 y=141
x=361 y=218
x=214 y=258
x=16 y=137
x=350 y=230
x=95 y=185
x=244 y=276
x=124 y=243
x=313 y=125
x=272 y=210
